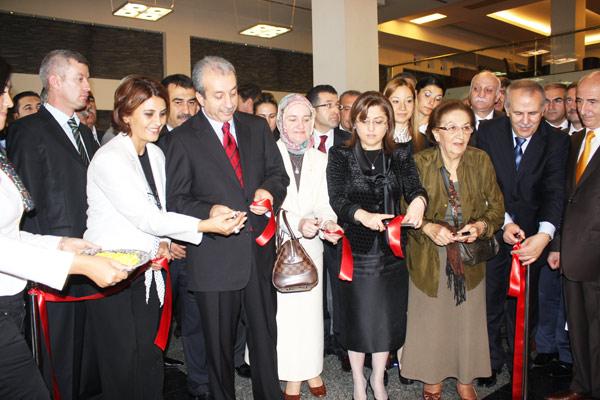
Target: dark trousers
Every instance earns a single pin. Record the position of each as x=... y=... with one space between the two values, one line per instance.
x=583 y=316
x=191 y=330
x=331 y=262
x=239 y=349
x=131 y=365
x=501 y=309
x=19 y=376
x=551 y=336
x=220 y=313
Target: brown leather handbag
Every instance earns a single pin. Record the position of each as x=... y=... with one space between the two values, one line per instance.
x=294 y=270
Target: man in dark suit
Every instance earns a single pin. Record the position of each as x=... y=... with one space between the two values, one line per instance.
x=556 y=113
x=530 y=161
x=483 y=95
x=217 y=161
x=327 y=133
x=579 y=256
x=182 y=106
x=51 y=150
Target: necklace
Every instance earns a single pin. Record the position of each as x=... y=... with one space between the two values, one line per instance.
x=297 y=165
x=367 y=153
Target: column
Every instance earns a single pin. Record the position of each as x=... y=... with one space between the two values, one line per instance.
x=176 y=46
x=345 y=44
x=568 y=16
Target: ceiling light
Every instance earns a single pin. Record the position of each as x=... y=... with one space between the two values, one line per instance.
x=515 y=19
x=592 y=38
x=267 y=31
x=141 y=11
x=561 y=60
x=532 y=52
x=428 y=18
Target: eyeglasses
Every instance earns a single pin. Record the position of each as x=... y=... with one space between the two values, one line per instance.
x=454 y=130
x=373 y=123
x=345 y=108
x=330 y=106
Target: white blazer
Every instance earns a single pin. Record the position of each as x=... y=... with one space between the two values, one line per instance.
x=311 y=199
x=122 y=213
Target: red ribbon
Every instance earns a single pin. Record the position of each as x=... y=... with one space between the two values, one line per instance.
x=163 y=329
x=269 y=231
x=517 y=288
x=347 y=265
x=394 y=234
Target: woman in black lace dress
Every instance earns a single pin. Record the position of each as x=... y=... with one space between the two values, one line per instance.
x=367 y=178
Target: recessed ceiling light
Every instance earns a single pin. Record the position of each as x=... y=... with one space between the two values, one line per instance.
x=428 y=18
x=267 y=31
x=141 y=11
x=530 y=53
x=561 y=60
x=513 y=18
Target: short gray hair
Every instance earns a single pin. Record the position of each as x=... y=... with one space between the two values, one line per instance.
x=527 y=85
x=213 y=63
x=56 y=61
x=488 y=73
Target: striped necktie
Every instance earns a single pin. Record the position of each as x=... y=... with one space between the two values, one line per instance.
x=232 y=152
x=80 y=146
x=519 y=151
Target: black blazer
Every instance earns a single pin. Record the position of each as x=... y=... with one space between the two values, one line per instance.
x=199 y=175
x=352 y=185
x=52 y=170
x=580 y=233
x=340 y=136
x=473 y=139
x=536 y=192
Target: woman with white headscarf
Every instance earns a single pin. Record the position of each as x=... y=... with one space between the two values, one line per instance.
x=300 y=315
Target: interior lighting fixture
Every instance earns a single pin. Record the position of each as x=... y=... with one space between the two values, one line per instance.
x=511 y=17
x=592 y=38
x=530 y=53
x=561 y=60
x=139 y=10
x=264 y=30
x=428 y=18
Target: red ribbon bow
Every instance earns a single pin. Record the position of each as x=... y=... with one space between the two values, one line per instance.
x=269 y=231
x=165 y=320
x=517 y=288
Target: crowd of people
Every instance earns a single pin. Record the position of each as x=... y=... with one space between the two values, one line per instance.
x=194 y=170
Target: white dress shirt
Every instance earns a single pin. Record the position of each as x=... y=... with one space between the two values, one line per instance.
x=478 y=120
x=545 y=226
x=595 y=143
x=62 y=120
x=218 y=127
x=26 y=256
x=562 y=126
x=317 y=139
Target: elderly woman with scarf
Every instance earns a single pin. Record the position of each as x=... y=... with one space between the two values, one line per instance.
x=300 y=315
x=367 y=178
x=446 y=334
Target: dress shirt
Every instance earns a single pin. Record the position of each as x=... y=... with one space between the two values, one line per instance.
x=477 y=119
x=545 y=226
x=572 y=129
x=562 y=126
x=62 y=120
x=25 y=255
x=218 y=127
x=317 y=136
x=595 y=143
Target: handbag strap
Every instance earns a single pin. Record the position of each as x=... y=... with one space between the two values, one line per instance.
x=279 y=238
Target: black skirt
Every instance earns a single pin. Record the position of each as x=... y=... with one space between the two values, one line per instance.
x=372 y=308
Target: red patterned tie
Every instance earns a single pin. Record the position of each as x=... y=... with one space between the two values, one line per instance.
x=232 y=152
x=322 y=147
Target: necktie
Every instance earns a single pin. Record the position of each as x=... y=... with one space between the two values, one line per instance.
x=585 y=156
x=7 y=167
x=518 y=151
x=322 y=147
x=232 y=152
x=80 y=146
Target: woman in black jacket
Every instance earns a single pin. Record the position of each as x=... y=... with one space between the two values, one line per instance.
x=366 y=180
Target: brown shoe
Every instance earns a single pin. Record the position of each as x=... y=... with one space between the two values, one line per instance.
x=565 y=395
x=291 y=396
x=466 y=392
x=432 y=392
x=318 y=391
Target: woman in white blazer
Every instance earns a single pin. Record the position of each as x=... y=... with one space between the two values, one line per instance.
x=300 y=315
x=126 y=198
x=25 y=256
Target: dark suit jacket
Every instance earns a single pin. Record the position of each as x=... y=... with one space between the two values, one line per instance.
x=580 y=233
x=52 y=170
x=199 y=175
x=340 y=136
x=473 y=139
x=536 y=192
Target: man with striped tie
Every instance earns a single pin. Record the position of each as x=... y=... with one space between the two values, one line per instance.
x=51 y=150
x=576 y=249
